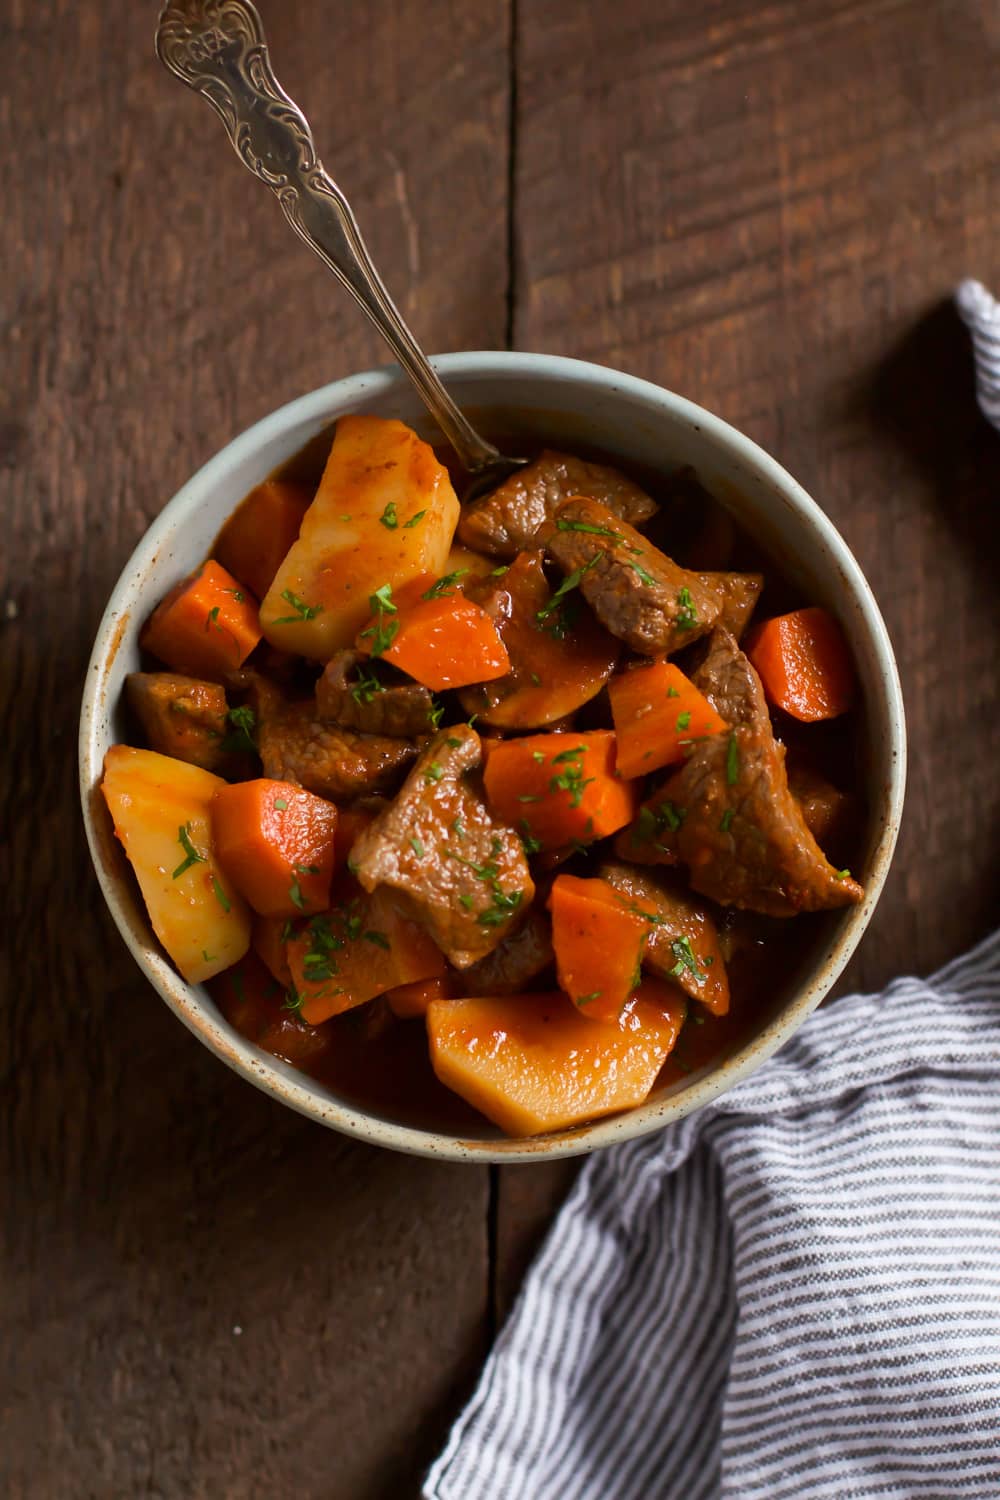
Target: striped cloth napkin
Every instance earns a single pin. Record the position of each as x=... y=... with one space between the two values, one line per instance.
x=793 y=1294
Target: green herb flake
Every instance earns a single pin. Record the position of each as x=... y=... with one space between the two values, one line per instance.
x=687 y=615
x=208 y=957
x=529 y=797
x=383 y=632
x=672 y=692
x=573 y=781
x=365 y=688
x=220 y=895
x=244 y=724
x=726 y=821
x=564 y=525
x=435 y=714
x=531 y=844
x=237 y=595
x=499 y=572
x=647 y=578
x=434 y=771
x=586 y=999
x=467 y=902
x=192 y=857
x=732 y=761
x=444 y=588
x=458 y=828
x=414 y=520
x=388 y=518
x=684 y=954
x=537 y=755
x=306 y=869
x=536 y=681
x=684 y=721
x=378 y=938
x=568 y=755
x=417 y=848
x=453 y=743
x=303 y=611
x=570 y=582
x=843 y=874
x=279 y=804
x=293 y=1000
x=295 y=894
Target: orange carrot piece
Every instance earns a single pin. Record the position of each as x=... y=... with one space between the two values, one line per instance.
x=658 y=713
x=409 y=1001
x=437 y=636
x=276 y=842
x=557 y=788
x=259 y=534
x=804 y=663
x=268 y=941
x=351 y=824
x=206 y=626
x=598 y=944
x=358 y=950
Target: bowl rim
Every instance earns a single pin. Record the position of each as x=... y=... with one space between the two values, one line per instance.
x=192 y=1004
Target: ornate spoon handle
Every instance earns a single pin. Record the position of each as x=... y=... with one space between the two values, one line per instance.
x=217 y=48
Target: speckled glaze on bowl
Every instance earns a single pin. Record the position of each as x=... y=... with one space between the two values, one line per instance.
x=563 y=401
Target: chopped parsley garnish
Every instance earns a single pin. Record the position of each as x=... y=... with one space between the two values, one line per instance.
x=653 y=820
x=647 y=578
x=567 y=755
x=843 y=874
x=414 y=520
x=570 y=582
x=220 y=895
x=435 y=714
x=293 y=1000
x=303 y=611
x=732 y=761
x=531 y=844
x=212 y=618
x=573 y=781
x=564 y=525
x=192 y=857
x=364 y=690
x=209 y=957
x=726 y=821
x=306 y=869
x=458 y=828
x=417 y=848
x=504 y=903
x=529 y=797
x=434 y=771
x=586 y=999
x=388 y=518
x=538 y=755
x=672 y=692
x=383 y=632
x=536 y=681
x=244 y=723
x=295 y=893
x=378 y=938
x=240 y=598
x=687 y=615
x=444 y=589
x=499 y=572
x=453 y=743
x=467 y=902
x=279 y=804
x=684 y=954
x=287 y=934
x=684 y=721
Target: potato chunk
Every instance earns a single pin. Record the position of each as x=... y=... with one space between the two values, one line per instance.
x=533 y=1063
x=160 y=809
x=384 y=512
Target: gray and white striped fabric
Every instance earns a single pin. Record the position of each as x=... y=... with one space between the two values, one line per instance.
x=793 y=1293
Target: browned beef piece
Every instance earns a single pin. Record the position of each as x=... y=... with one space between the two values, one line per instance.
x=464 y=875
x=504 y=522
x=829 y=813
x=634 y=589
x=518 y=960
x=697 y=964
x=350 y=694
x=740 y=592
x=296 y=745
x=728 y=813
x=180 y=716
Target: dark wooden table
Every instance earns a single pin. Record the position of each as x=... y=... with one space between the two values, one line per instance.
x=763 y=206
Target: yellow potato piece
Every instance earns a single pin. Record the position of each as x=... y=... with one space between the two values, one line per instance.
x=533 y=1063
x=356 y=536
x=196 y=914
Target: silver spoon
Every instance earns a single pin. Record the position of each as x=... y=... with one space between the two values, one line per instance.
x=217 y=48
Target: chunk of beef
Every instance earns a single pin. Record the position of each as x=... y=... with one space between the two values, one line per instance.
x=740 y=592
x=296 y=745
x=634 y=589
x=728 y=813
x=504 y=522
x=465 y=876
x=358 y=699
x=180 y=716
x=518 y=960
x=829 y=813
x=558 y=662
x=683 y=942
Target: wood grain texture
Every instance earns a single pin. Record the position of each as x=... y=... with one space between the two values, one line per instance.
x=202 y=1295
x=766 y=207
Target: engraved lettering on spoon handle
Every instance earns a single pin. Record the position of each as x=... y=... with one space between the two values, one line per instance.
x=217 y=48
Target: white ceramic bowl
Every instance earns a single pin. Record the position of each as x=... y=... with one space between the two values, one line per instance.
x=563 y=401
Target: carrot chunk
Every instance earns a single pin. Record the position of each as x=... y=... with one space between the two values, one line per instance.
x=435 y=635
x=351 y=824
x=557 y=788
x=598 y=944
x=259 y=534
x=408 y=1001
x=276 y=842
x=206 y=626
x=356 y=951
x=804 y=663
x=256 y=1006
x=268 y=940
x=658 y=713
